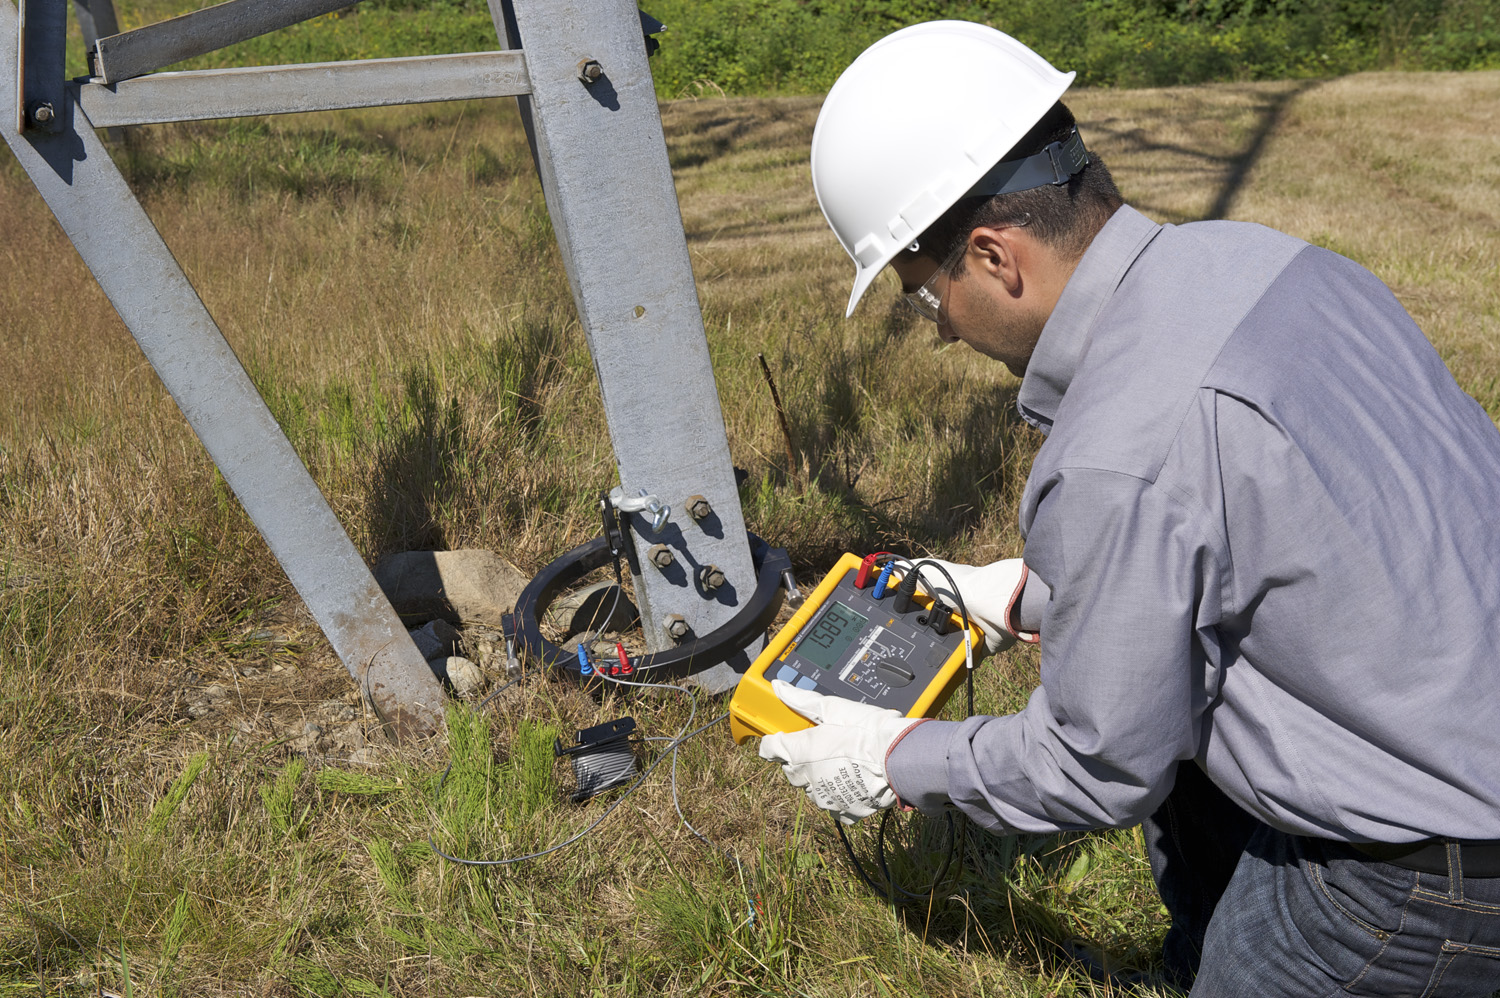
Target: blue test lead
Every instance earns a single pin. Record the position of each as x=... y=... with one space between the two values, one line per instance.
x=883 y=582
x=584 y=666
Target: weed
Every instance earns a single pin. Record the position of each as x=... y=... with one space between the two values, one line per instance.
x=280 y=800
x=342 y=781
x=162 y=813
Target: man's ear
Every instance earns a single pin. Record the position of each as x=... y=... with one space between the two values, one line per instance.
x=999 y=253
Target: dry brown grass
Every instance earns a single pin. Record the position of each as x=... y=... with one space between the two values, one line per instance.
x=391 y=283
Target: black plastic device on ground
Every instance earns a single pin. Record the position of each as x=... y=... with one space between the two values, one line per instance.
x=602 y=757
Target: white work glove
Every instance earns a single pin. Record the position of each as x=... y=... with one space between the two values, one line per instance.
x=841 y=759
x=990 y=594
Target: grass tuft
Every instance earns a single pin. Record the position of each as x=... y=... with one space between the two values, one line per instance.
x=280 y=800
x=342 y=781
x=165 y=808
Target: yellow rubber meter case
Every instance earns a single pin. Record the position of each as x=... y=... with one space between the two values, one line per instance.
x=862 y=640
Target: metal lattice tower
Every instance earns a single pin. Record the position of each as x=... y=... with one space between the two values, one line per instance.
x=579 y=73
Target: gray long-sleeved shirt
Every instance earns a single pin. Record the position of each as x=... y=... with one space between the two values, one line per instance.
x=1271 y=524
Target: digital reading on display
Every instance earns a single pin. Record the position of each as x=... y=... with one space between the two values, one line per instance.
x=826 y=643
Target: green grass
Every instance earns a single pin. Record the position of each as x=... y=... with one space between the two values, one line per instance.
x=391 y=282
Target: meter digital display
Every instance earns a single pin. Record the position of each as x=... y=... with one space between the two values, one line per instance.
x=845 y=642
x=834 y=632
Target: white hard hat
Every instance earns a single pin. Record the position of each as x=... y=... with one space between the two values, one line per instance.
x=913 y=124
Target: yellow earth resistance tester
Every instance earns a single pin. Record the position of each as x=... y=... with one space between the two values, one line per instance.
x=844 y=641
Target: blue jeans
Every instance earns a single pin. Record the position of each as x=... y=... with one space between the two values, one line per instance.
x=1258 y=913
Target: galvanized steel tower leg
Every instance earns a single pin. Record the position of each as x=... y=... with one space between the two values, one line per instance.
x=146 y=286
x=96 y=20
x=597 y=137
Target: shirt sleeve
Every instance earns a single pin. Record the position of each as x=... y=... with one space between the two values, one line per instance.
x=1135 y=576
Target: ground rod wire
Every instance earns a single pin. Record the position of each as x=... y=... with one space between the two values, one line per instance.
x=682 y=736
x=955 y=840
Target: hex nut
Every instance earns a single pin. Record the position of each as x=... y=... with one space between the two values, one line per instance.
x=661 y=556
x=676 y=626
x=710 y=577
x=589 y=71
x=42 y=113
x=698 y=507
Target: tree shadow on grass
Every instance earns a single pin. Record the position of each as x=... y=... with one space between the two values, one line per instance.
x=1234 y=168
x=1021 y=894
x=414 y=468
x=978 y=446
x=1240 y=166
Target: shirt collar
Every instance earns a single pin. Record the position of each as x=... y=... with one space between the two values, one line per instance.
x=1065 y=337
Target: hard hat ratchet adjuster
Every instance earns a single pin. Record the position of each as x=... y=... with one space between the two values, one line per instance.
x=1055 y=165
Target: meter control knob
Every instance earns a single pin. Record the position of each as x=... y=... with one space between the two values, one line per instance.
x=893 y=674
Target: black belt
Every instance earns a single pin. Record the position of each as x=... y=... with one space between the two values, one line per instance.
x=1476 y=859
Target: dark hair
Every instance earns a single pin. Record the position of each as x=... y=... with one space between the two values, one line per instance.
x=1064 y=216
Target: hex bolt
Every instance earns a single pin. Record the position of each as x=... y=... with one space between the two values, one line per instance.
x=42 y=113
x=698 y=507
x=676 y=626
x=661 y=556
x=710 y=577
x=589 y=71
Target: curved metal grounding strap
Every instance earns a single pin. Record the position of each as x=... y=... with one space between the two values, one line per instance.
x=687 y=658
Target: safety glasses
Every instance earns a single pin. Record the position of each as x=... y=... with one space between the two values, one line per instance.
x=925 y=301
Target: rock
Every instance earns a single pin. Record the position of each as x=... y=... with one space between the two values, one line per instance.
x=436 y=639
x=720 y=678
x=216 y=692
x=199 y=709
x=338 y=710
x=460 y=587
x=461 y=674
x=485 y=652
x=348 y=738
x=593 y=608
x=487 y=648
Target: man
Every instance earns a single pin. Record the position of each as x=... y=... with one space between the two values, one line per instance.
x=1270 y=524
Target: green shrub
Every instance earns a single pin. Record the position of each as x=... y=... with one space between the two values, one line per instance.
x=800 y=46
x=762 y=47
